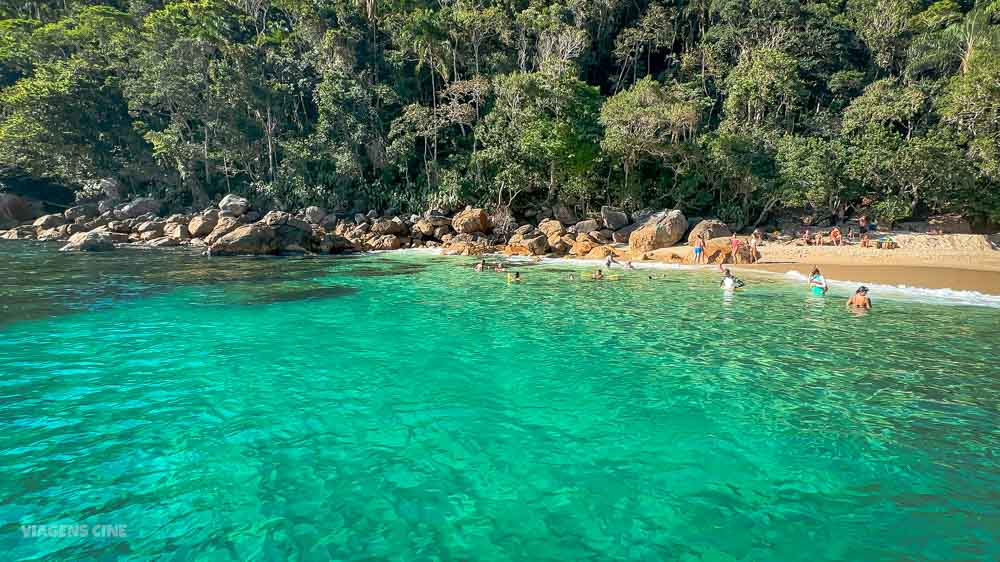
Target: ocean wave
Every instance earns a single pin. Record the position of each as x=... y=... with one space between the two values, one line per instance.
x=908 y=293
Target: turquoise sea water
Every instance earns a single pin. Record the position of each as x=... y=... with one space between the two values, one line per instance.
x=402 y=407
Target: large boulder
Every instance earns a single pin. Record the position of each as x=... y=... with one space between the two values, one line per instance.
x=292 y=234
x=81 y=212
x=442 y=231
x=613 y=218
x=234 y=204
x=176 y=231
x=385 y=242
x=552 y=227
x=314 y=215
x=564 y=214
x=25 y=232
x=222 y=228
x=15 y=209
x=471 y=221
x=424 y=227
x=588 y=225
x=93 y=241
x=203 y=224
x=250 y=239
x=709 y=228
x=139 y=207
x=388 y=226
x=147 y=228
x=659 y=231
x=49 y=221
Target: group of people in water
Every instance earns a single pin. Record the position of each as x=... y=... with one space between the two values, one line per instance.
x=817 y=282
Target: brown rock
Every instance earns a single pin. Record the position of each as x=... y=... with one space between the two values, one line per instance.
x=710 y=228
x=253 y=239
x=660 y=231
x=471 y=221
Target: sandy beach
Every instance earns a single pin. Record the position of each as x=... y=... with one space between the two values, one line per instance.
x=961 y=262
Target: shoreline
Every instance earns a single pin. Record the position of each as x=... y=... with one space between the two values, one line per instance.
x=948 y=277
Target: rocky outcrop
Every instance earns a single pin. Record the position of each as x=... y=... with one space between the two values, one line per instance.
x=614 y=219
x=138 y=207
x=15 y=209
x=709 y=228
x=292 y=234
x=659 y=231
x=382 y=227
x=49 y=221
x=234 y=204
x=250 y=239
x=203 y=224
x=587 y=226
x=93 y=241
x=385 y=242
x=81 y=212
x=552 y=228
x=314 y=215
x=471 y=221
x=222 y=228
x=176 y=231
x=564 y=214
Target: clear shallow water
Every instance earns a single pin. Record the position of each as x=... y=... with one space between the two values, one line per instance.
x=397 y=407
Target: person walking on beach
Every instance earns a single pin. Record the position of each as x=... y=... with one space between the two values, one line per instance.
x=860 y=300
x=754 y=254
x=699 y=249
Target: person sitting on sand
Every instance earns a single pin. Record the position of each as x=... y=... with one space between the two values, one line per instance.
x=818 y=239
x=866 y=242
x=807 y=237
x=699 y=249
x=730 y=282
x=817 y=282
x=481 y=266
x=860 y=299
x=835 y=236
x=852 y=233
x=597 y=275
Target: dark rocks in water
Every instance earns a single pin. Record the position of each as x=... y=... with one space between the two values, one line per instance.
x=271 y=295
x=49 y=221
x=251 y=239
x=93 y=241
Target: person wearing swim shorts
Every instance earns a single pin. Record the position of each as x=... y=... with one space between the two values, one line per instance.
x=699 y=249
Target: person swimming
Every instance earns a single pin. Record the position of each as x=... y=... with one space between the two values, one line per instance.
x=817 y=283
x=860 y=300
x=597 y=275
x=481 y=266
x=514 y=277
x=499 y=268
x=730 y=282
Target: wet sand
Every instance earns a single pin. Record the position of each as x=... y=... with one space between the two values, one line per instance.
x=930 y=277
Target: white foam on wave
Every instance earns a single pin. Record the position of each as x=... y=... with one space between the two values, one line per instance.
x=846 y=287
x=908 y=293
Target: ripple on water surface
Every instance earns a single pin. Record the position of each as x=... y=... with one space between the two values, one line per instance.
x=406 y=408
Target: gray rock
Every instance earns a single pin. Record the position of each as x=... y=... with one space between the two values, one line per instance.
x=138 y=208
x=234 y=204
x=564 y=214
x=588 y=225
x=49 y=221
x=81 y=212
x=93 y=241
x=314 y=215
x=613 y=218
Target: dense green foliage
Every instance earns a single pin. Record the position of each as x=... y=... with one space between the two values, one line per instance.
x=730 y=107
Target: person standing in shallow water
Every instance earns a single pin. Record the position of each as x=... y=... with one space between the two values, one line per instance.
x=859 y=300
